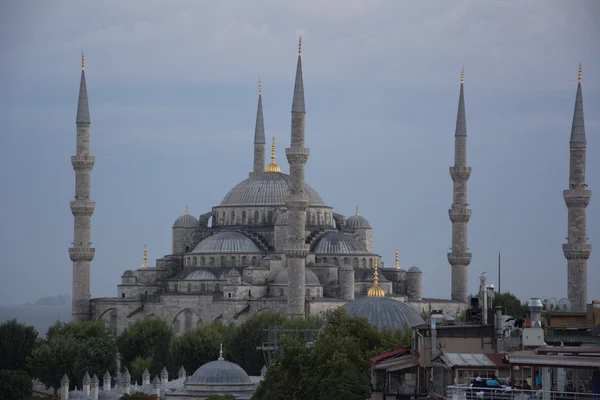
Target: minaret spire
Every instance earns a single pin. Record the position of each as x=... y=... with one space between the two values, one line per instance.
x=460 y=258
x=577 y=250
x=296 y=248
x=82 y=208
x=145 y=264
x=397 y=264
x=259 y=136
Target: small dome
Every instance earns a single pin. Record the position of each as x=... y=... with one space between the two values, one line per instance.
x=226 y=242
x=414 y=269
x=357 y=222
x=338 y=243
x=346 y=267
x=186 y=221
x=309 y=278
x=201 y=275
x=233 y=273
x=127 y=273
x=219 y=373
x=283 y=218
x=383 y=312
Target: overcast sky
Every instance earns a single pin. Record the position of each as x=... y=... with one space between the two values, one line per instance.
x=173 y=87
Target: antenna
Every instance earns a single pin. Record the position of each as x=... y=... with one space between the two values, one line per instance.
x=498 y=272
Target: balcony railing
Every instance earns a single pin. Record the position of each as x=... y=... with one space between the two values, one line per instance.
x=478 y=393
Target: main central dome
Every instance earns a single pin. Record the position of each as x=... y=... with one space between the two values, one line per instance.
x=268 y=189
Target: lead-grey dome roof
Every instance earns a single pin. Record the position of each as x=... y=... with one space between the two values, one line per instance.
x=357 y=222
x=414 y=269
x=226 y=242
x=385 y=313
x=283 y=218
x=128 y=273
x=201 y=275
x=219 y=373
x=338 y=243
x=310 y=278
x=233 y=273
x=268 y=189
x=186 y=221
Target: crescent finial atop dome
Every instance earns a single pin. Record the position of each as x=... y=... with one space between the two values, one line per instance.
x=273 y=167
x=145 y=264
x=376 y=290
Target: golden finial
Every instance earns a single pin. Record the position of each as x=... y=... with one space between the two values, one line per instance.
x=273 y=167
x=186 y=210
x=82 y=61
x=579 y=73
x=397 y=265
x=376 y=291
x=300 y=46
x=462 y=74
x=259 y=86
x=356 y=213
x=145 y=265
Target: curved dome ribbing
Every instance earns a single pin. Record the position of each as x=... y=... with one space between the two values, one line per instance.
x=383 y=312
x=226 y=242
x=186 y=221
x=268 y=189
x=357 y=222
x=338 y=243
x=201 y=275
x=310 y=278
x=219 y=373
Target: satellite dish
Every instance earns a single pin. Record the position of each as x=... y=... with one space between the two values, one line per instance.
x=551 y=304
x=564 y=305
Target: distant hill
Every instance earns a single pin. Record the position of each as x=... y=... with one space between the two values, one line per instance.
x=41 y=314
x=62 y=300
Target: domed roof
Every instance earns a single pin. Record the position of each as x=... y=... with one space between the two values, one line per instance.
x=357 y=222
x=201 y=275
x=309 y=278
x=338 y=243
x=226 y=242
x=128 y=273
x=414 y=269
x=220 y=373
x=346 y=267
x=283 y=218
x=186 y=221
x=383 y=312
x=268 y=189
x=233 y=273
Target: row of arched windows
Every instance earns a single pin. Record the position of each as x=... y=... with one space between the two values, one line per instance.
x=189 y=288
x=356 y=261
x=221 y=261
x=256 y=217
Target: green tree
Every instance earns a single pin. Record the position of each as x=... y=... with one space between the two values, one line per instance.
x=201 y=345
x=15 y=385
x=512 y=305
x=147 y=338
x=138 y=366
x=17 y=341
x=73 y=348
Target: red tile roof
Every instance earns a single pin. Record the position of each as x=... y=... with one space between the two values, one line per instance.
x=388 y=355
x=496 y=358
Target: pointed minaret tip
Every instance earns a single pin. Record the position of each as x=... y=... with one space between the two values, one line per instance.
x=82 y=61
x=145 y=265
x=300 y=46
x=462 y=75
x=186 y=210
x=397 y=264
x=259 y=86
x=579 y=73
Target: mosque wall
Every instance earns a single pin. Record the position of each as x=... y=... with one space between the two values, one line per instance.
x=316 y=307
x=364 y=236
x=327 y=274
x=266 y=216
x=222 y=260
x=447 y=306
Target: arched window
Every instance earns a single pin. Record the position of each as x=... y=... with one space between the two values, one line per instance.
x=189 y=287
x=370 y=263
x=318 y=218
x=212 y=261
x=324 y=260
x=244 y=217
x=364 y=263
x=187 y=321
x=123 y=295
x=175 y=326
x=233 y=261
x=318 y=260
x=202 y=261
x=307 y=292
x=355 y=262
x=313 y=219
x=195 y=261
x=307 y=217
x=244 y=260
x=187 y=249
x=188 y=261
x=254 y=260
x=203 y=287
x=232 y=217
x=270 y=217
x=223 y=218
x=217 y=287
x=336 y=262
x=281 y=292
x=223 y=262
x=346 y=261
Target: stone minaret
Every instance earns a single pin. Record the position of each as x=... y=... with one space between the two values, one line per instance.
x=82 y=208
x=459 y=258
x=259 y=136
x=577 y=197
x=297 y=203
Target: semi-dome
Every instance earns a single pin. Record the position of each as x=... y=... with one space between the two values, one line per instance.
x=226 y=242
x=346 y=267
x=338 y=243
x=233 y=273
x=384 y=313
x=186 y=221
x=283 y=218
x=414 y=269
x=268 y=189
x=310 y=278
x=201 y=275
x=220 y=373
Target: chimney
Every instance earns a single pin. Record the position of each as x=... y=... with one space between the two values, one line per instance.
x=535 y=308
x=156 y=385
x=182 y=372
x=86 y=384
x=94 y=387
x=484 y=297
x=127 y=381
x=498 y=328
x=64 y=388
x=107 y=381
x=164 y=376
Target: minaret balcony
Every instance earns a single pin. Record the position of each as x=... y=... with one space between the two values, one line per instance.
x=577 y=197
x=459 y=214
x=577 y=251
x=577 y=146
x=297 y=202
x=83 y=162
x=459 y=258
x=83 y=207
x=296 y=250
x=81 y=253
x=460 y=173
x=297 y=155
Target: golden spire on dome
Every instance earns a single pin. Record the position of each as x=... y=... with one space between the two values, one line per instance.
x=273 y=167
x=145 y=264
x=356 y=213
x=186 y=210
x=579 y=73
x=397 y=265
x=376 y=291
x=462 y=74
x=82 y=61
x=300 y=46
x=259 y=86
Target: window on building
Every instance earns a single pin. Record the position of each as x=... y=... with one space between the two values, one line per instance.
x=195 y=261
x=189 y=287
x=364 y=263
x=232 y=217
x=202 y=261
x=123 y=295
x=233 y=261
x=228 y=295
x=244 y=260
x=370 y=263
x=256 y=217
x=244 y=217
